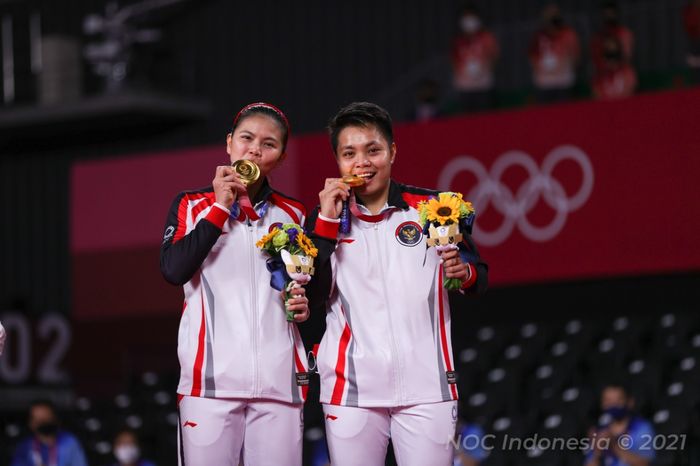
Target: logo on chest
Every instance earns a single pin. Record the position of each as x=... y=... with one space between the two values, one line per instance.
x=409 y=234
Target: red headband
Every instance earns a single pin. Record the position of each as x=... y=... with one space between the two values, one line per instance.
x=263 y=105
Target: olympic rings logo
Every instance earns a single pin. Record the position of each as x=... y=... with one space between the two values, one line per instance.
x=515 y=207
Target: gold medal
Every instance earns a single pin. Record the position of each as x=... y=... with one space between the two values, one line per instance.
x=353 y=181
x=247 y=170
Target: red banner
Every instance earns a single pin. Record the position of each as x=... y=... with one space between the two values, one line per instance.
x=571 y=191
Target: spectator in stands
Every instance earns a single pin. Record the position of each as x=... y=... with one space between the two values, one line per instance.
x=618 y=421
x=616 y=78
x=554 y=54
x=474 y=55
x=613 y=29
x=427 y=101
x=127 y=449
x=471 y=449
x=691 y=19
x=48 y=445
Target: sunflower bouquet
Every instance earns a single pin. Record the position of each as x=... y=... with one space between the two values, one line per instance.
x=442 y=218
x=291 y=262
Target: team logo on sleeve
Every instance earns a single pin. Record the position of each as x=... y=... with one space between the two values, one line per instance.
x=409 y=234
x=277 y=225
x=169 y=232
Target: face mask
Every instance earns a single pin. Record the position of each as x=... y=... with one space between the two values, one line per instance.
x=611 y=20
x=613 y=55
x=127 y=454
x=47 y=428
x=470 y=24
x=556 y=21
x=613 y=414
x=617 y=412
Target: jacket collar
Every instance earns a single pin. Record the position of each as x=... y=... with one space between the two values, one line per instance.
x=263 y=193
x=395 y=198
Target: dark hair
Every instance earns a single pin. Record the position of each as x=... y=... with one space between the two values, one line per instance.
x=128 y=431
x=612 y=43
x=610 y=5
x=43 y=402
x=363 y=114
x=269 y=110
x=616 y=383
x=469 y=7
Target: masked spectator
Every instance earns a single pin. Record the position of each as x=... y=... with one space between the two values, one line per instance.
x=474 y=55
x=617 y=78
x=691 y=20
x=554 y=54
x=127 y=449
x=48 y=445
x=612 y=29
x=617 y=421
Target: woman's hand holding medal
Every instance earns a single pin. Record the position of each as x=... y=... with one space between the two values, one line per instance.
x=227 y=184
x=335 y=193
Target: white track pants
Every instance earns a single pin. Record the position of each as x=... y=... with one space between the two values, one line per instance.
x=221 y=432
x=421 y=434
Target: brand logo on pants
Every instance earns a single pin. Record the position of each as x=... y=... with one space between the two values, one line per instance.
x=189 y=423
x=331 y=417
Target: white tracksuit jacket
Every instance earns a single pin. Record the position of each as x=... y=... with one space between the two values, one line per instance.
x=387 y=339
x=234 y=340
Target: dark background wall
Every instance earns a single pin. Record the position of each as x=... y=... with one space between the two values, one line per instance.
x=308 y=58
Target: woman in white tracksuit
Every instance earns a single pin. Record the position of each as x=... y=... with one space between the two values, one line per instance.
x=385 y=359
x=243 y=367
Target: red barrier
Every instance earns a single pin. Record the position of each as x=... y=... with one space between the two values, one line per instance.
x=565 y=192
